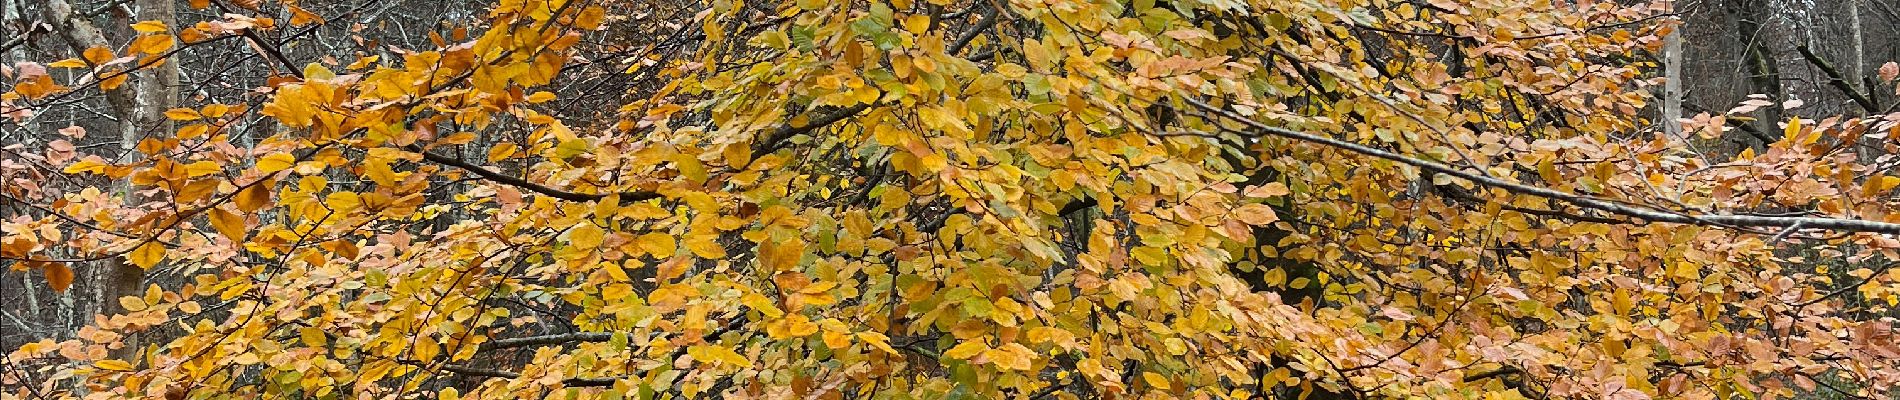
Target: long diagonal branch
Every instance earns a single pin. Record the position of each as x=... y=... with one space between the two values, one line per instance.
x=1582 y=201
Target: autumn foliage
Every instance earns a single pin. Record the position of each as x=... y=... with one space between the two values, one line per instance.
x=962 y=199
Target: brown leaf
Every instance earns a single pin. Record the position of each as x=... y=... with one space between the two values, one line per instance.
x=58 y=276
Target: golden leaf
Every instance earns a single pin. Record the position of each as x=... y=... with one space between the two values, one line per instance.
x=586 y=237
x=275 y=162
x=147 y=255
x=967 y=349
x=227 y=223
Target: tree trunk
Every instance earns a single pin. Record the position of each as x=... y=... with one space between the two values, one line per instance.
x=1763 y=74
x=136 y=107
x=1672 y=86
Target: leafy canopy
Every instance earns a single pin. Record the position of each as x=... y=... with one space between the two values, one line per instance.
x=980 y=199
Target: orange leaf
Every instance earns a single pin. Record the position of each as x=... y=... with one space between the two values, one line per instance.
x=1256 y=214
x=227 y=223
x=58 y=276
x=255 y=197
x=149 y=26
x=1270 y=189
x=97 y=55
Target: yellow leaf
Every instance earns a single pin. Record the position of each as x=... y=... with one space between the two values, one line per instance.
x=572 y=147
x=148 y=254
x=275 y=162
x=317 y=71
x=255 y=197
x=427 y=348
x=878 y=340
x=301 y=17
x=227 y=223
x=68 y=63
x=501 y=152
x=1270 y=189
x=91 y=165
x=1156 y=380
x=113 y=82
x=1794 y=128
x=313 y=337
x=590 y=18
x=343 y=201
x=132 y=303
x=791 y=326
x=586 y=236
x=917 y=23
x=193 y=131
x=1256 y=214
x=660 y=245
x=705 y=246
x=781 y=256
x=379 y=171
x=718 y=354
x=364 y=62
x=1880 y=185
x=837 y=340
x=540 y=97
x=1011 y=356
x=202 y=168
x=114 y=365
x=966 y=350
x=457 y=138
x=762 y=304
x=1547 y=170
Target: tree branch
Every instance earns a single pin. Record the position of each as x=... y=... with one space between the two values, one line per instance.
x=546 y=340
x=777 y=139
x=1835 y=79
x=785 y=132
x=1506 y=370
x=569 y=382
x=1587 y=202
x=21 y=39
x=990 y=15
x=497 y=177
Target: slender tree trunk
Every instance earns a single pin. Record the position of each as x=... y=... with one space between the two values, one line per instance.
x=158 y=87
x=138 y=108
x=1858 y=70
x=1672 y=86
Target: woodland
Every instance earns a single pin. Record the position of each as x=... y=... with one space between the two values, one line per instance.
x=950 y=199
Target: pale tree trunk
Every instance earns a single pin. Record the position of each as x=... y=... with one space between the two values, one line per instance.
x=158 y=87
x=81 y=35
x=1857 y=69
x=156 y=91
x=138 y=107
x=1672 y=86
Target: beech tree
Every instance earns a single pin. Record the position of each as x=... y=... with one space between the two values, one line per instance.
x=1025 y=199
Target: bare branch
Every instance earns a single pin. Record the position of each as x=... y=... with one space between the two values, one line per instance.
x=1839 y=82
x=1721 y=220
x=546 y=340
x=497 y=177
